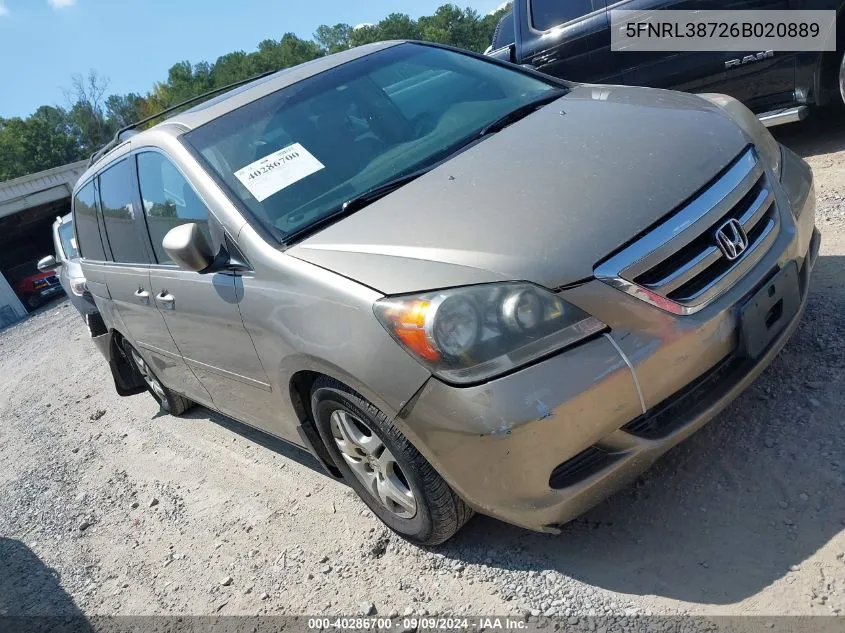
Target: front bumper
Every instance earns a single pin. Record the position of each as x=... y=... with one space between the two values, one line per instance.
x=50 y=291
x=541 y=446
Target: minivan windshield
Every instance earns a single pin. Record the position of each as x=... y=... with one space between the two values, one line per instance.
x=294 y=157
x=68 y=241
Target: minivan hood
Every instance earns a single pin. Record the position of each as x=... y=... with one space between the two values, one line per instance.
x=543 y=200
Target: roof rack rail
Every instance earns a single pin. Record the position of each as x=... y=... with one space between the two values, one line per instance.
x=121 y=136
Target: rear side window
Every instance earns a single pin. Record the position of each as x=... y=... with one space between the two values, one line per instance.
x=546 y=14
x=85 y=219
x=168 y=200
x=67 y=240
x=119 y=215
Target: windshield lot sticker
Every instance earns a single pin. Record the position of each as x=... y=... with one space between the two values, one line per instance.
x=271 y=174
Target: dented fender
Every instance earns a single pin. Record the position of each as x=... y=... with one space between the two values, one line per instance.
x=497 y=443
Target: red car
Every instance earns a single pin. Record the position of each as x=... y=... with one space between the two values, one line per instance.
x=33 y=286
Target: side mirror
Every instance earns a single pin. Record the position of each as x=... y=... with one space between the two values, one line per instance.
x=48 y=264
x=188 y=248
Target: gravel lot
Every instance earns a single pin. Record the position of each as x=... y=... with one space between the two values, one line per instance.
x=109 y=507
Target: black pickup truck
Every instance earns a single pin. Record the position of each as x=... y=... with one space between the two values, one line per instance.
x=571 y=39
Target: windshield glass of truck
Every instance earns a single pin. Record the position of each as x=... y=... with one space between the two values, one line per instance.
x=295 y=156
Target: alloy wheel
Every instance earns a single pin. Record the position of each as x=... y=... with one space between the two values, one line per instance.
x=373 y=463
x=148 y=376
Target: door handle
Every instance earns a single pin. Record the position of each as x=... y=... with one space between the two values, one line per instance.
x=143 y=296
x=167 y=300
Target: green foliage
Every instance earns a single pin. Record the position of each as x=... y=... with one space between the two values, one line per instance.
x=45 y=139
x=124 y=109
x=333 y=39
x=54 y=136
x=165 y=209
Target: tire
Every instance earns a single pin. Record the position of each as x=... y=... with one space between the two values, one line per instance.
x=381 y=465
x=32 y=303
x=842 y=80
x=169 y=401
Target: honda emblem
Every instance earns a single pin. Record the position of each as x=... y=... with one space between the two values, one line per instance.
x=731 y=239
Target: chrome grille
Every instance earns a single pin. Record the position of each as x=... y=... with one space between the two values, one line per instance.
x=678 y=264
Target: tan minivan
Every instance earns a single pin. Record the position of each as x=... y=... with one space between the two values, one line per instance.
x=462 y=285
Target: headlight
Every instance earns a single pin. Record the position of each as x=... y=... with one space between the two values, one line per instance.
x=78 y=286
x=767 y=146
x=473 y=333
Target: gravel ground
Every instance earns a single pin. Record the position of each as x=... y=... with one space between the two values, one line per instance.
x=109 y=507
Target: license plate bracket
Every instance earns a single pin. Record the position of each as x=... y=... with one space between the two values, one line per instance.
x=769 y=311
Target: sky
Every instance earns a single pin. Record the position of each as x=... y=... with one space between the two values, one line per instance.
x=43 y=43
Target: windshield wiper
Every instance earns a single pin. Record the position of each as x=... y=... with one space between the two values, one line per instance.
x=521 y=112
x=380 y=191
x=357 y=203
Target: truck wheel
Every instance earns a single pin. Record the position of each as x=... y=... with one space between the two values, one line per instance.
x=170 y=402
x=842 y=79
x=384 y=468
x=32 y=302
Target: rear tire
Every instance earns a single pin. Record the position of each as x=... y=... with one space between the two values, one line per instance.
x=384 y=468
x=169 y=401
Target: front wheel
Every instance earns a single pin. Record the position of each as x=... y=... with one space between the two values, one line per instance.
x=170 y=402
x=384 y=468
x=842 y=79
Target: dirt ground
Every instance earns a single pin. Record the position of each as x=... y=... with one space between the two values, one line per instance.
x=109 y=507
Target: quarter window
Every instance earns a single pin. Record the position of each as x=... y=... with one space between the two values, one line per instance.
x=546 y=14
x=119 y=215
x=68 y=241
x=168 y=200
x=85 y=220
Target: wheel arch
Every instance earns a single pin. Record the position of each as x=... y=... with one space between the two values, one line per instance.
x=127 y=382
x=300 y=386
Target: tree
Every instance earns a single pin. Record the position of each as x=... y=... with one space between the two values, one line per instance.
x=491 y=20
x=232 y=67
x=333 y=39
x=52 y=135
x=396 y=26
x=185 y=81
x=124 y=110
x=456 y=27
x=39 y=142
x=87 y=111
x=166 y=209
x=287 y=52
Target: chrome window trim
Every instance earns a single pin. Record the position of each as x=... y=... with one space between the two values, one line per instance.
x=147 y=148
x=553 y=30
